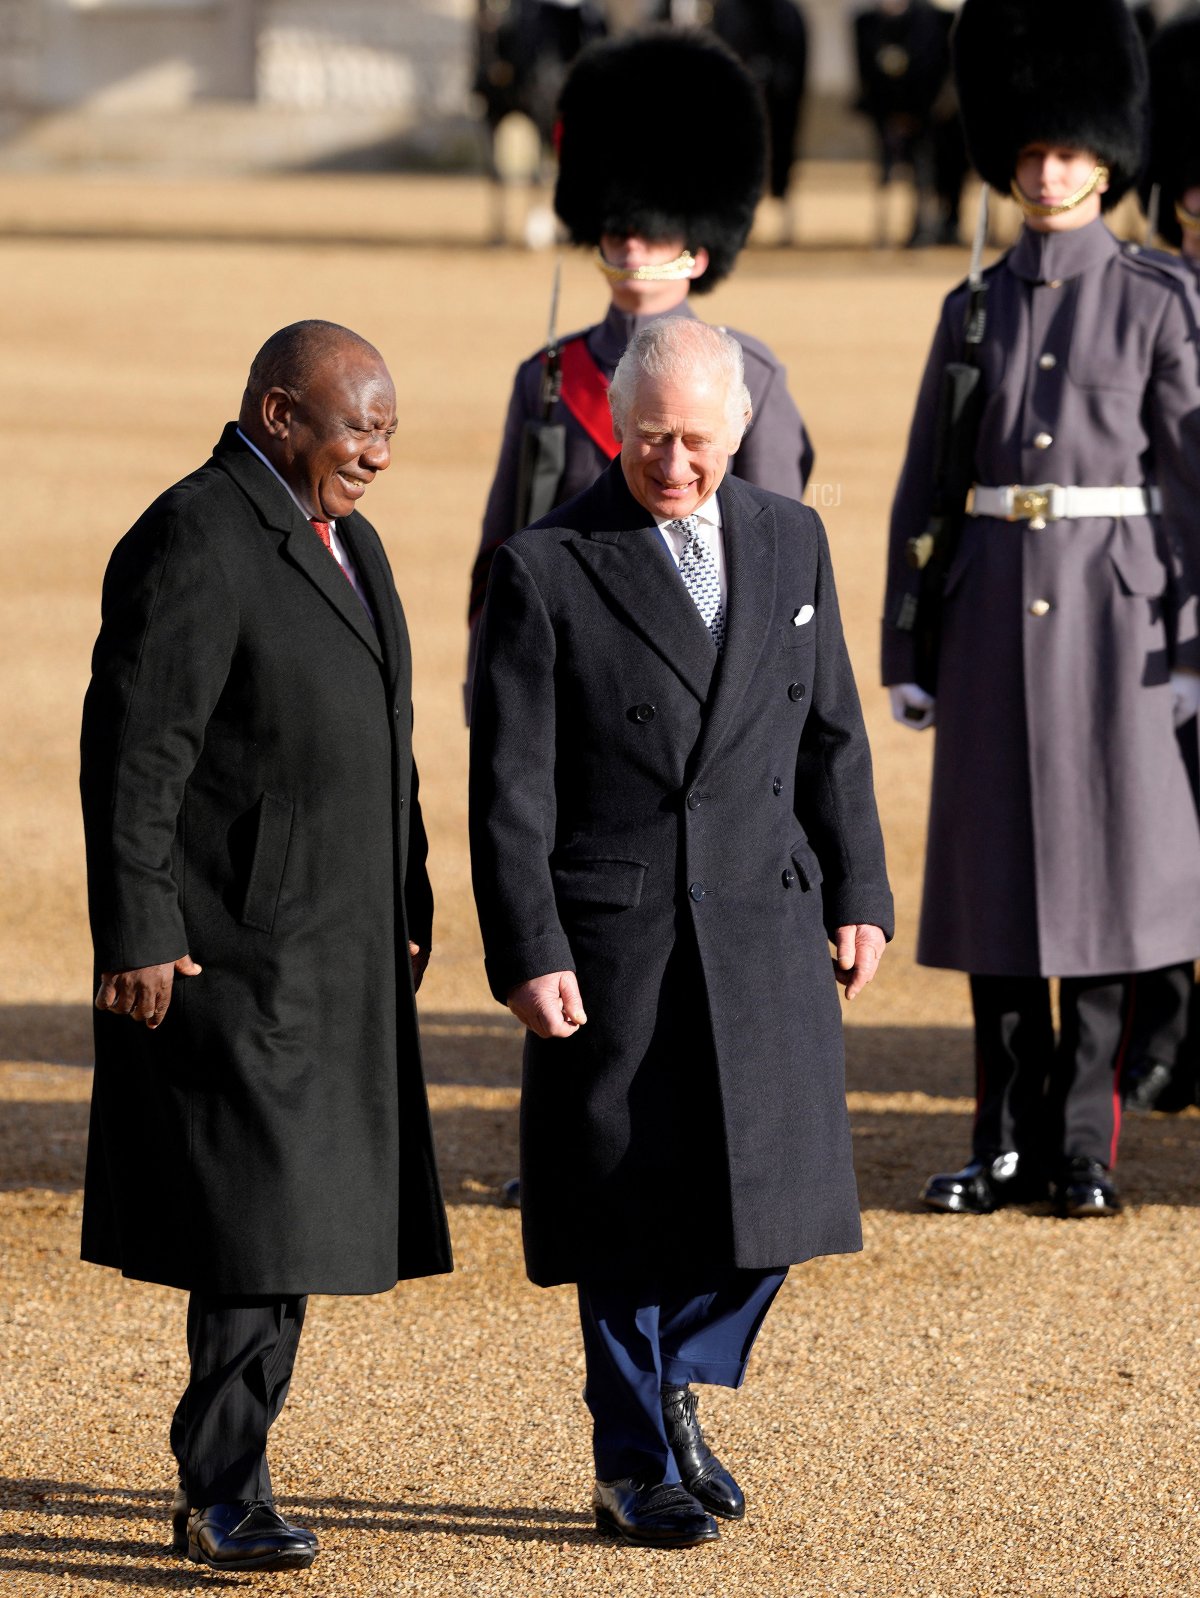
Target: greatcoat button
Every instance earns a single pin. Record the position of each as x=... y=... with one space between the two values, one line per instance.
x=643 y=712
x=777 y=786
x=1043 y=441
x=1040 y=607
x=1048 y=362
x=1055 y=283
x=696 y=891
x=693 y=800
x=795 y=691
x=788 y=878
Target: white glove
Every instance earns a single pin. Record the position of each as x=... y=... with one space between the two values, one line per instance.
x=1185 y=696
x=913 y=707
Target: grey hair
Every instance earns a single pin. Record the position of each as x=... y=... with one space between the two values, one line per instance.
x=680 y=348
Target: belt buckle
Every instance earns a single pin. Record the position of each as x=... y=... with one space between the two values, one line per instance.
x=1029 y=504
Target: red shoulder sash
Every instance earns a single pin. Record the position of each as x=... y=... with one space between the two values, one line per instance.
x=585 y=394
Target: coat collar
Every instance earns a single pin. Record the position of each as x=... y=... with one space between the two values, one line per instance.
x=608 y=339
x=1051 y=257
x=278 y=510
x=626 y=556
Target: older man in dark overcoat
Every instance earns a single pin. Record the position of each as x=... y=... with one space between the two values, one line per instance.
x=671 y=814
x=259 y=902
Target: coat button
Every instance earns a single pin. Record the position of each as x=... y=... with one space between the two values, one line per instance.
x=693 y=800
x=697 y=891
x=1048 y=362
x=1040 y=607
x=395 y=712
x=795 y=691
x=777 y=786
x=1054 y=283
x=643 y=712
x=1043 y=441
x=789 y=878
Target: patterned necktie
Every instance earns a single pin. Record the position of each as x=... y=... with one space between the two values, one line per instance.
x=322 y=531
x=699 y=572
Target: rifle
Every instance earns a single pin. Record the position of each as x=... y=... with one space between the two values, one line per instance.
x=543 y=443
x=960 y=409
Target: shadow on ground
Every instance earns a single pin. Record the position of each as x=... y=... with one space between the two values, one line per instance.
x=79 y=1556
x=910 y=1095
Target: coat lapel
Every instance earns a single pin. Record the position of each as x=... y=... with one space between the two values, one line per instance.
x=748 y=529
x=302 y=546
x=366 y=551
x=628 y=561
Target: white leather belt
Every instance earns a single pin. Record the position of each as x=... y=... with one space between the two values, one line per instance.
x=1049 y=502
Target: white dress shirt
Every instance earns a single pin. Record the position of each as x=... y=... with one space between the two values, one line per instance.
x=336 y=548
x=709 y=517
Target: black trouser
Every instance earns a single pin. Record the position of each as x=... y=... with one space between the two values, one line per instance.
x=1050 y=1102
x=1162 y=1021
x=242 y=1351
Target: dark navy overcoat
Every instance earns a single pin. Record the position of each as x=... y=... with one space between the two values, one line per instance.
x=250 y=798
x=682 y=832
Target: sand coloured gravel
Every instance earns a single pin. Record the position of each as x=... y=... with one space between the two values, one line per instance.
x=969 y=1409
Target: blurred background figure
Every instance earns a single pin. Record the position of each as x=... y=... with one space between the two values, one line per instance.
x=770 y=37
x=665 y=221
x=902 y=53
x=522 y=51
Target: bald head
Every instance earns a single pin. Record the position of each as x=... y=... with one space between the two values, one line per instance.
x=320 y=404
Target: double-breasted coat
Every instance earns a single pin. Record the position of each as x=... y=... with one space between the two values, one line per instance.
x=776 y=452
x=250 y=798
x=1063 y=837
x=682 y=831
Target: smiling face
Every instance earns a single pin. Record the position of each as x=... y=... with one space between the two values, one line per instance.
x=328 y=442
x=1048 y=174
x=675 y=443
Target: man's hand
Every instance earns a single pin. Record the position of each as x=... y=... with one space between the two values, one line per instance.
x=550 y=1006
x=912 y=706
x=143 y=994
x=859 y=951
x=420 y=961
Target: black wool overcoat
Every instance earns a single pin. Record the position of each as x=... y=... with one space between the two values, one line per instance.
x=682 y=832
x=250 y=798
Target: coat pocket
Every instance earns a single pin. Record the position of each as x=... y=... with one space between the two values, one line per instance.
x=270 y=857
x=1139 y=567
x=808 y=867
x=616 y=883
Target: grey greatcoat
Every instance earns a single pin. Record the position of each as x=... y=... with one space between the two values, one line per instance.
x=776 y=452
x=1063 y=837
x=250 y=798
x=682 y=832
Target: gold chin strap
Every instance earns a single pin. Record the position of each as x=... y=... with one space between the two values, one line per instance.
x=1100 y=174
x=663 y=272
x=1188 y=220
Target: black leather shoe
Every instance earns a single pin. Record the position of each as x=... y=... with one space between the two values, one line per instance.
x=1085 y=1188
x=704 y=1476
x=179 y=1520
x=247 y=1536
x=653 y=1517
x=983 y=1186
x=1155 y=1085
x=179 y=1524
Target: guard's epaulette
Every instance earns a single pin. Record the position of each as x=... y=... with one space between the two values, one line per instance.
x=1159 y=262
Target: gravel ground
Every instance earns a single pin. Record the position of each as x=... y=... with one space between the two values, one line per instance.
x=969 y=1409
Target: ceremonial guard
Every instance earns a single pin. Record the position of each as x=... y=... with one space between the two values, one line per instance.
x=1041 y=604
x=661 y=226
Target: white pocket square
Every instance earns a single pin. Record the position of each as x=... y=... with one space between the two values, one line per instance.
x=805 y=613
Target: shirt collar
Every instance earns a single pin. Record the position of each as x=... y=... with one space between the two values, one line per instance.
x=250 y=444
x=708 y=514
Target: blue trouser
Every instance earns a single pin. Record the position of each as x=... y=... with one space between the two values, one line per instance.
x=638 y=1335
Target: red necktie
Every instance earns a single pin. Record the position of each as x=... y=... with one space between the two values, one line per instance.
x=322 y=531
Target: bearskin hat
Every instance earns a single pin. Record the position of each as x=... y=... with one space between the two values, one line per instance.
x=1069 y=72
x=1174 y=162
x=662 y=133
